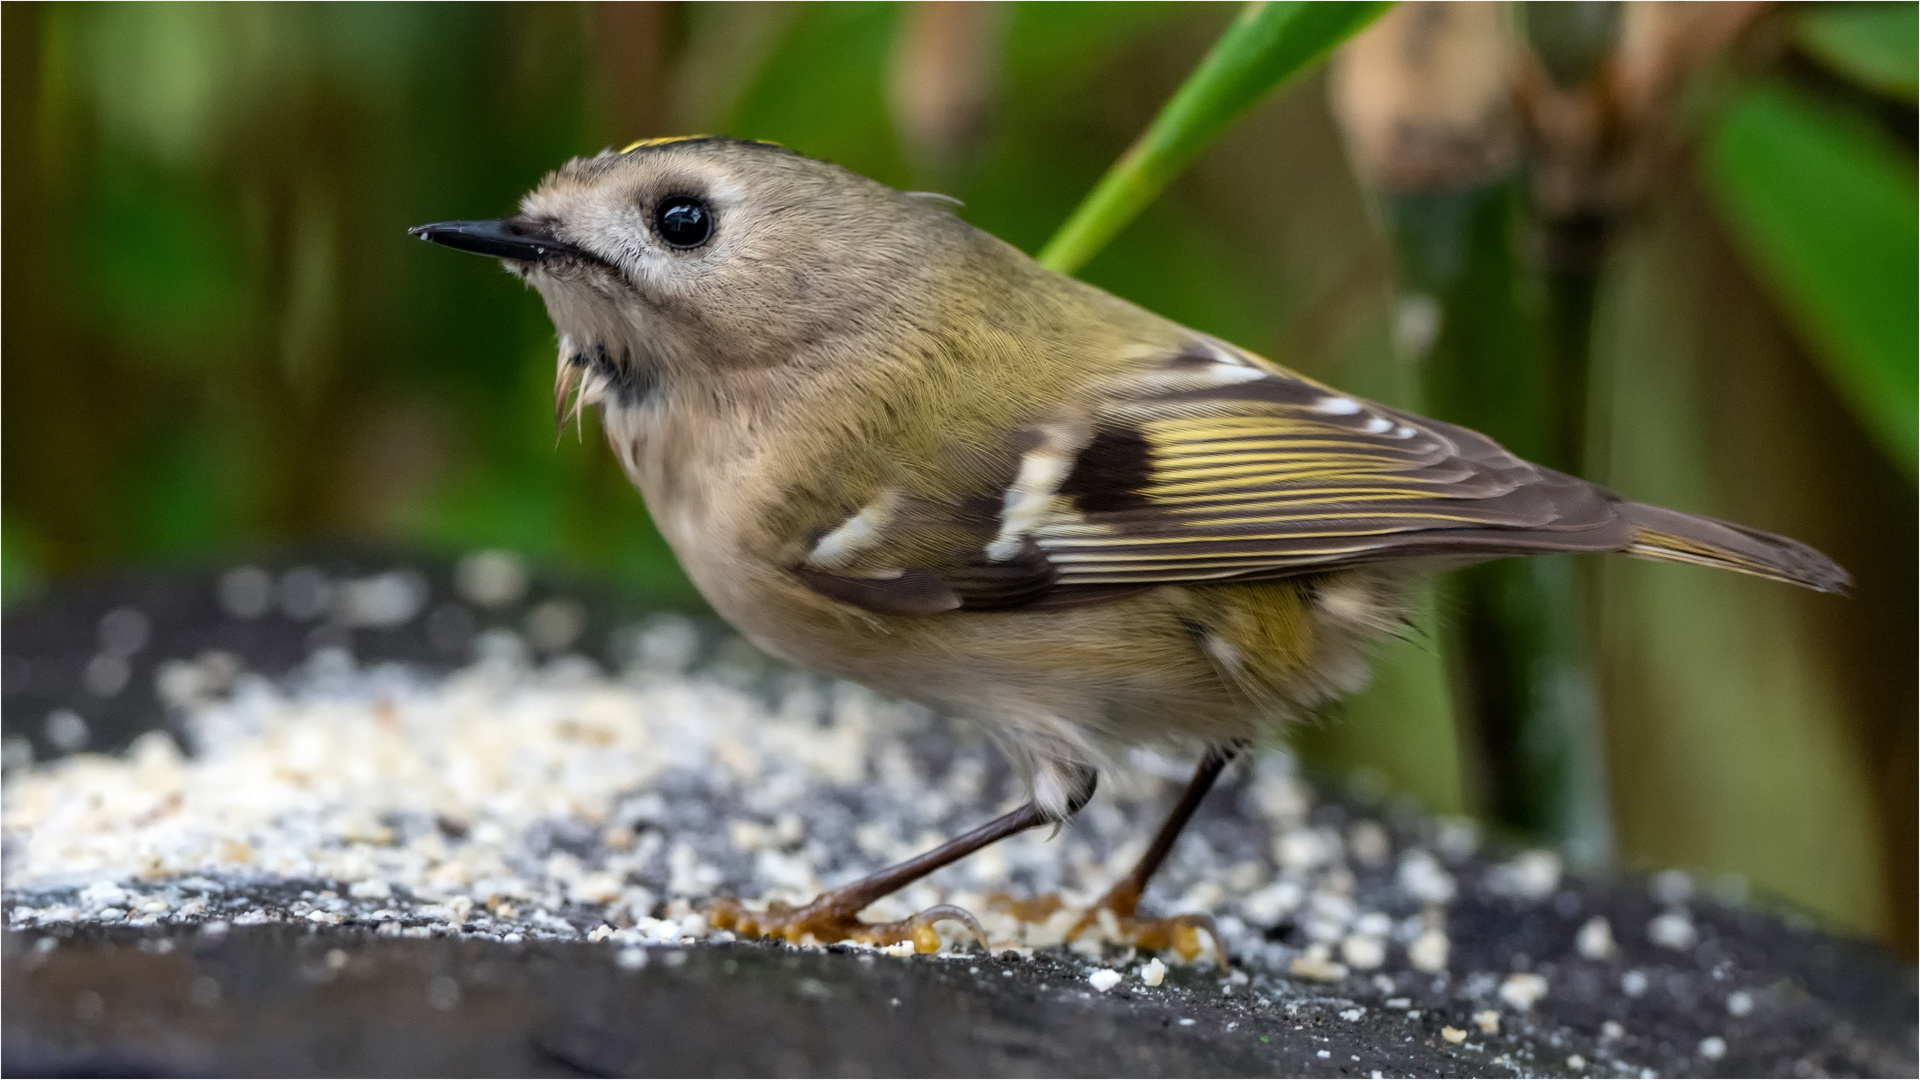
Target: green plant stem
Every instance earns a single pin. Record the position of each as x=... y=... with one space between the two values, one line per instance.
x=1267 y=44
x=1510 y=365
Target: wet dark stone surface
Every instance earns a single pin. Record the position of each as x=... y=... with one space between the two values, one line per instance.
x=301 y=999
x=293 y=1000
x=568 y=1010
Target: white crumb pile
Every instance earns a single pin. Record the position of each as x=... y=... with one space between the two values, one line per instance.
x=518 y=802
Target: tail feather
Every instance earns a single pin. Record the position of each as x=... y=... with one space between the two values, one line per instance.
x=1671 y=536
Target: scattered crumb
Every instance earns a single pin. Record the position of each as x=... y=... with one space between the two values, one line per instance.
x=1739 y=1003
x=1459 y=838
x=1428 y=952
x=1363 y=952
x=1153 y=972
x=1672 y=930
x=1531 y=875
x=1453 y=1035
x=1316 y=963
x=1595 y=939
x=1576 y=1062
x=1671 y=886
x=1352 y=1015
x=1522 y=990
x=1370 y=843
x=1422 y=878
x=1488 y=1021
x=1304 y=849
x=1104 y=979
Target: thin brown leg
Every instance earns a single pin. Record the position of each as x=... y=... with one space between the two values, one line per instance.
x=1123 y=899
x=835 y=916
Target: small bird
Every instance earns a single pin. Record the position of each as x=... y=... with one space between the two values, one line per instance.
x=892 y=448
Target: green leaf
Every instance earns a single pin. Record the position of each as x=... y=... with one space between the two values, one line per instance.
x=1823 y=204
x=1266 y=45
x=1876 y=45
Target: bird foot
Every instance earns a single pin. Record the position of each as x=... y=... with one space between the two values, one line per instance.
x=832 y=918
x=1116 y=916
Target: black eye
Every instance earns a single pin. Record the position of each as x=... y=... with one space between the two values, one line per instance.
x=683 y=222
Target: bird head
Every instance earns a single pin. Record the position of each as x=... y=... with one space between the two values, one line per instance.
x=680 y=258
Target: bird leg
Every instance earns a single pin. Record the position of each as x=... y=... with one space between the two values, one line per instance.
x=1115 y=913
x=835 y=916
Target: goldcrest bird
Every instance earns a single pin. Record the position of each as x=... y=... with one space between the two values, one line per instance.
x=889 y=447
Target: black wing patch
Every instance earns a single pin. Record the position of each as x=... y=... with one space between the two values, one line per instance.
x=1112 y=474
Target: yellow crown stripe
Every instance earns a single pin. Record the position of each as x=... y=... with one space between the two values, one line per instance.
x=661 y=140
x=666 y=140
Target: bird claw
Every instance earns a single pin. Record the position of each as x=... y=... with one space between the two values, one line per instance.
x=829 y=919
x=1115 y=915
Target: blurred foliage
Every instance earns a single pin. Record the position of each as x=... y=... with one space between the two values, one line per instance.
x=219 y=339
x=1846 y=263
x=1869 y=43
x=1516 y=639
x=1266 y=45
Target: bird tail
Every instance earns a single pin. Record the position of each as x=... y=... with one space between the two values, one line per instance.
x=1671 y=536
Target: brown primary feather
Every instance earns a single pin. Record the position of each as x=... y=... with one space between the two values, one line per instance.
x=1671 y=536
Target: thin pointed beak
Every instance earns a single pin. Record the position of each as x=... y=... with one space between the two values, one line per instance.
x=515 y=238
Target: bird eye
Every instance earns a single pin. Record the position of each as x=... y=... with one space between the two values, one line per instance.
x=683 y=222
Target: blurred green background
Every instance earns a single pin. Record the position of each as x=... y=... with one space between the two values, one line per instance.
x=1670 y=249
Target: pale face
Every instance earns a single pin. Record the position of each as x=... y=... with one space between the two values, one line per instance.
x=708 y=253
x=652 y=226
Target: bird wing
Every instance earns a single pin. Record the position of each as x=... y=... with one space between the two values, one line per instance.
x=1212 y=465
